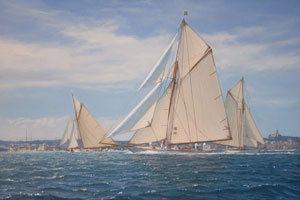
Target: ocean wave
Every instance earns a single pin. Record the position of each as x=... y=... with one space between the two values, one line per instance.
x=36 y=196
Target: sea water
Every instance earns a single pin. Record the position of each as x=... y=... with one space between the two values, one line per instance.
x=150 y=175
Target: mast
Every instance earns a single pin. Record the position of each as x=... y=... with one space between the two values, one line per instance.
x=169 y=128
x=242 y=116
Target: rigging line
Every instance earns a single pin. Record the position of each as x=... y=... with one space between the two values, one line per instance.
x=123 y=108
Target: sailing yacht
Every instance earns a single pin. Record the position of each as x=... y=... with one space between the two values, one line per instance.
x=185 y=105
x=244 y=131
x=69 y=137
x=91 y=133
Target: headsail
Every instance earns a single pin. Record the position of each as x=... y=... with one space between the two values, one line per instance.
x=141 y=115
x=73 y=141
x=65 y=137
x=243 y=129
x=90 y=132
x=157 y=128
x=250 y=131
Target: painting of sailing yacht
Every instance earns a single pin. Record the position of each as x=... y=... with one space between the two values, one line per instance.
x=185 y=105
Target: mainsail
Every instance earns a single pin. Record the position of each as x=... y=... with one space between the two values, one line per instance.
x=90 y=132
x=243 y=129
x=190 y=109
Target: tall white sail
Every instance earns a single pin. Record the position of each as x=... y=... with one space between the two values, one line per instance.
x=73 y=141
x=198 y=108
x=243 y=129
x=90 y=132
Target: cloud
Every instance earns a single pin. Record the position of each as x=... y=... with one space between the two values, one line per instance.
x=97 y=58
x=243 y=50
x=89 y=53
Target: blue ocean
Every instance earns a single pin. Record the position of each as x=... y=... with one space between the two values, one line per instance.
x=150 y=175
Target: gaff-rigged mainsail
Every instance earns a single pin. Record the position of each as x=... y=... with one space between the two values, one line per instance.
x=90 y=132
x=191 y=109
x=243 y=129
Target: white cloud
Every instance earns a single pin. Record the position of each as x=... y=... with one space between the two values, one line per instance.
x=242 y=50
x=97 y=58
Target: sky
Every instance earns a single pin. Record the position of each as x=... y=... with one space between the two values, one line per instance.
x=102 y=50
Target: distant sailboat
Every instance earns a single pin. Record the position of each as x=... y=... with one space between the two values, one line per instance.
x=185 y=105
x=69 y=137
x=91 y=133
x=243 y=129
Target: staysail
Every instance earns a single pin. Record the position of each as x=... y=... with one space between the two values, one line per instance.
x=243 y=129
x=90 y=132
x=73 y=141
x=157 y=128
x=65 y=137
x=191 y=109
